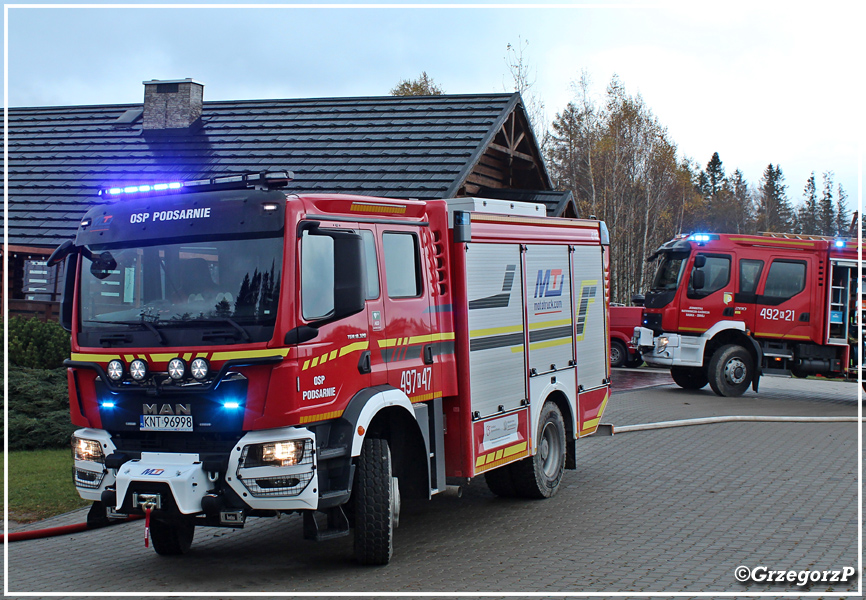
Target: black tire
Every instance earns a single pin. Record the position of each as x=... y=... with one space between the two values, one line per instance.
x=377 y=505
x=618 y=353
x=731 y=370
x=799 y=374
x=539 y=476
x=172 y=537
x=635 y=362
x=500 y=482
x=689 y=378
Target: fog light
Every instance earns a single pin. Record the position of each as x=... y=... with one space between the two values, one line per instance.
x=138 y=369
x=115 y=370
x=84 y=449
x=176 y=369
x=199 y=368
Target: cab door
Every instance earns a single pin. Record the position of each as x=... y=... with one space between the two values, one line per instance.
x=704 y=305
x=406 y=344
x=784 y=307
x=749 y=272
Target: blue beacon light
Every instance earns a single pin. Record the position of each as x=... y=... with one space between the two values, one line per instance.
x=840 y=243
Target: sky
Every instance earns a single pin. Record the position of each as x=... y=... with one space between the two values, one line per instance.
x=757 y=82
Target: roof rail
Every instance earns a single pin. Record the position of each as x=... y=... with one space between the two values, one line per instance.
x=799 y=236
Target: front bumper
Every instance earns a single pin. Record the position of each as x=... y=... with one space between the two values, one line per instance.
x=670 y=349
x=182 y=481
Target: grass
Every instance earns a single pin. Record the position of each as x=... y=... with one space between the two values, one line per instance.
x=40 y=484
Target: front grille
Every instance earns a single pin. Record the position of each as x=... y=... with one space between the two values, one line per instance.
x=172 y=441
x=281 y=485
x=86 y=479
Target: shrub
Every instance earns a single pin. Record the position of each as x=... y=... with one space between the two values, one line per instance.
x=37 y=344
x=38 y=409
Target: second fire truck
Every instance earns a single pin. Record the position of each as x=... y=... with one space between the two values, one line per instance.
x=725 y=308
x=242 y=351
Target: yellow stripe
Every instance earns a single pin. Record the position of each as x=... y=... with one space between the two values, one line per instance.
x=352 y=347
x=692 y=329
x=129 y=357
x=770 y=241
x=250 y=354
x=94 y=357
x=561 y=222
x=378 y=208
x=322 y=417
x=545 y=324
x=315 y=362
x=425 y=397
x=514 y=449
x=323 y=359
x=162 y=357
x=495 y=330
x=187 y=356
x=485 y=462
x=550 y=343
x=333 y=354
x=306 y=365
x=516 y=349
x=784 y=335
x=416 y=339
x=593 y=423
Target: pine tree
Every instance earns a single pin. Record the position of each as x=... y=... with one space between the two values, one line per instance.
x=826 y=216
x=807 y=216
x=774 y=209
x=843 y=224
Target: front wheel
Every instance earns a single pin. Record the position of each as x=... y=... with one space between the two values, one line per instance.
x=377 y=504
x=689 y=378
x=618 y=353
x=539 y=476
x=731 y=370
x=172 y=537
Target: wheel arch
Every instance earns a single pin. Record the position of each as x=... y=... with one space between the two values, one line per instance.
x=409 y=452
x=561 y=401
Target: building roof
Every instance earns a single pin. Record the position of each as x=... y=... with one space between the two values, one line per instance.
x=413 y=147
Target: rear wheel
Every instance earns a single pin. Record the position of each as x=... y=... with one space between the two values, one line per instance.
x=539 y=476
x=689 y=378
x=172 y=537
x=635 y=362
x=500 y=483
x=730 y=370
x=618 y=353
x=377 y=504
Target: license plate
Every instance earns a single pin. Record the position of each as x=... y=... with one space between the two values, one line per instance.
x=166 y=423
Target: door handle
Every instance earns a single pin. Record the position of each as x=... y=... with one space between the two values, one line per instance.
x=364 y=366
x=428 y=354
x=728 y=312
x=804 y=317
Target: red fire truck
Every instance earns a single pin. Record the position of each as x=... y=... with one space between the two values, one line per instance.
x=242 y=351
x=725 y=308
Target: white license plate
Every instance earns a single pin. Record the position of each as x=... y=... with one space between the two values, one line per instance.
x=166 y=423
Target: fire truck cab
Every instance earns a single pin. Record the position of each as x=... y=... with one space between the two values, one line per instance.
x=725 y=308
x=242 y=351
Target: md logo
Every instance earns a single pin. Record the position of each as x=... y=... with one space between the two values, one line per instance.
x=549 y=283
x=153 y=471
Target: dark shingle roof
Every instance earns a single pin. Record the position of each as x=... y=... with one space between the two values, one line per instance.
x=417 y=147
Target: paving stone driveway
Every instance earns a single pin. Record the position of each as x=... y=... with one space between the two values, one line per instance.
x=670 y=510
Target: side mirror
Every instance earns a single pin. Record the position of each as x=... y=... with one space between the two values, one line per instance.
x=61 y=252
x=350 y=293
x=698 y=279
x=700 y=261
x=70 y=275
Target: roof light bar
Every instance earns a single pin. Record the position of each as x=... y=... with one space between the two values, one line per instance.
x=839 y=243
x=703 y=237
x=261 y=180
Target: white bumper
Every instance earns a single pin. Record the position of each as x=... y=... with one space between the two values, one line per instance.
x=271 y=487
x=670 y=349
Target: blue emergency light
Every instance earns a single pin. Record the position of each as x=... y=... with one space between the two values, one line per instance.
x=840 y=243
x=141 y=189
x=700 y=237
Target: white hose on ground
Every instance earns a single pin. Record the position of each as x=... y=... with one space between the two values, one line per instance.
x=729 y=419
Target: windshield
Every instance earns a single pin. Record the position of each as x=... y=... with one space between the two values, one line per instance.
x=232 y=283
x=670 y=271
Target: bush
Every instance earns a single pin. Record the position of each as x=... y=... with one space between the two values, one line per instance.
x=37 y=344
x=38 y=409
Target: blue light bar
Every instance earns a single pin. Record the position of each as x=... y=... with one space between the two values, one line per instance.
x=108 y=405
x=839 y=243
x=231 y=405
x=699 y=237
x=141 y=189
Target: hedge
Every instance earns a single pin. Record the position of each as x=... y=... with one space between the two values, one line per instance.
x=38 y=409
x=37 y=344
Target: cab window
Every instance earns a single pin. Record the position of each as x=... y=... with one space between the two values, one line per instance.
x=402 y=265
x=370 y=263
x=717 y=274
x=786 y=279
x=750 y=274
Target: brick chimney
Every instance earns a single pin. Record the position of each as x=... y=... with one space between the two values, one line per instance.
x=173 y=105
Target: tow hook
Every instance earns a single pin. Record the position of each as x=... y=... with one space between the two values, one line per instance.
x=147 y=502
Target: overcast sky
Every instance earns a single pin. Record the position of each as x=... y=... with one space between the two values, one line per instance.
x=756 y=82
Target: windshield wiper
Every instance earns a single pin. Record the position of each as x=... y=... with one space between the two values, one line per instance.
x=180 y=322
x=140 y=325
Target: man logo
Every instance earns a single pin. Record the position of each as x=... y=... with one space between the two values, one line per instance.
x=153 y=471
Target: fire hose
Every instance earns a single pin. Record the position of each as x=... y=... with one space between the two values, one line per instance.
x=730 y=419
x=33 y=534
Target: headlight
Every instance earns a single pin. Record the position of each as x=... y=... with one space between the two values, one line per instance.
x=662 y=343
x=84 y=449
x=176 y=369
x=138 y=369
x=199 y=368
x=115 y=370
x=276 y=454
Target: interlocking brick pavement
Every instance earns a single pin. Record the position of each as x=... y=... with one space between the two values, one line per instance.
x=672 y=510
